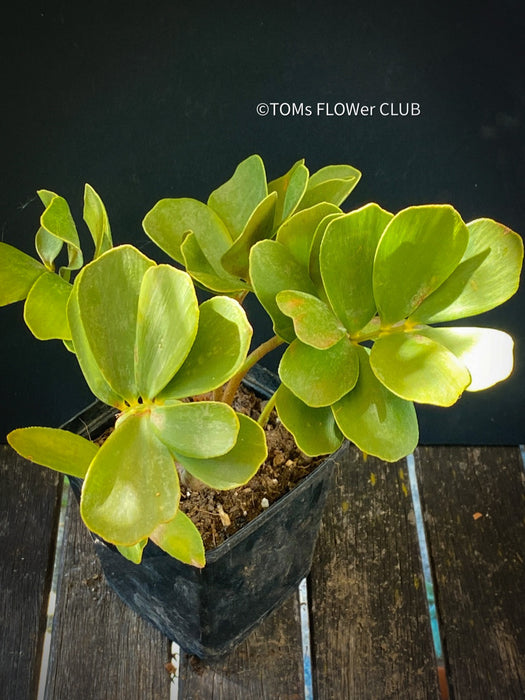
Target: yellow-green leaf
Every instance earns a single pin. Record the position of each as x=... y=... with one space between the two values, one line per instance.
x=181 y=540
x=131 y=486
x=314 y=322
x=201 y=429
x=319 y=377
x=377 y=421
x=45 y=309
x=314 y=429
x=167 y=319
x=96 y=218
x=57 y=449
x=238 y=465
x=417 y=368
x=18 y=273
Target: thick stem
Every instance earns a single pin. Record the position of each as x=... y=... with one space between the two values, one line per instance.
x=252 y=359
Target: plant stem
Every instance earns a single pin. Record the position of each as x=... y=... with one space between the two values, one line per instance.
x=265 y=413
x=252 y=359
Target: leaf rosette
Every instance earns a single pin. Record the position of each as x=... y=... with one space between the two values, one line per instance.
x=355 y=300
x=213 y=240
x=145 y=346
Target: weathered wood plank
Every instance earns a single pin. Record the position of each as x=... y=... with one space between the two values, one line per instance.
x=371 y=635
x=474 y=504
x=29 y=506
x=267 y=665
x=100 y=649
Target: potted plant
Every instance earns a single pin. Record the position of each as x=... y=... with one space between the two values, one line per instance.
x=354 y=298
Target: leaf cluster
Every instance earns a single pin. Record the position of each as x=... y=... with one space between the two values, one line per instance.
x=355 y=297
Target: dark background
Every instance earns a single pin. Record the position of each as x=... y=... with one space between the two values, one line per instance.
x=147 y=100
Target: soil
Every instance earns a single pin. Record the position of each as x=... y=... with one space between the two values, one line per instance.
x=218 y=514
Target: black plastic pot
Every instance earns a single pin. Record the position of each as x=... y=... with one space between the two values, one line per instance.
x=208 y=611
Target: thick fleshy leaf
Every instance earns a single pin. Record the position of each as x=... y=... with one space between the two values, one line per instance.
x=181 y=540
x=332 y=183
x=108 y=299
x=201 y=429
x=218 y=351
x=56 y=222
x=417 y=368
x=297 y=233
x=171 y=219
x=198 y=266
x=319 y=377
x=346 y=261
x=45 y=310
x=487 y=276
x=131 y=486
x=238 y=465
x=89 y=366
x=314 y=264
x=168 y=315
x=236 y=200
x=314 y=429
x=377 y=421
x=259 y=227
x=273 y=269
x=290 y=189
x=96 y=218
x=418 y=250
x=487 y=353
x=134 y=551
x=314 y=321
x=56 y=449
x=18 y=273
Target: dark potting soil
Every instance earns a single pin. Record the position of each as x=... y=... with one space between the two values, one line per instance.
x=218 y=514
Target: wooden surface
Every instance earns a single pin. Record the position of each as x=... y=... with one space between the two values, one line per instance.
x=370 y=624
x=475 y=517
x=29 y=506
x=369 y=612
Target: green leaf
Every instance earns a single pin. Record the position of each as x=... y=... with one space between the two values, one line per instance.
x=57 y=223
x=181 y=539
x=198 y=266
x=89 y=366
x=319 y=377
x=332 y=183
x=297 y=233
x=417 y=368
x=108 y=299
x=96 y=218
x=273 y=269
x=346 y=262
x=487 y=276
x=377 y=421
x=53 y=448
x=133 y=552
x=18 y=273
x=131 y=486
x=201 y=429
x=218 y=352
x=259 y=227
x=170 y=220
x=314 y=322
x=237 y=199
x=486 y=353
x=314 y=264
x=168 y=315
x=314 y=429
x=45 y=310
x=237 y=466
x=290 y=188
x=418 y=250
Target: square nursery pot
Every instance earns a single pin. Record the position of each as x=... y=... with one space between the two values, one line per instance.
x=208 y=611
